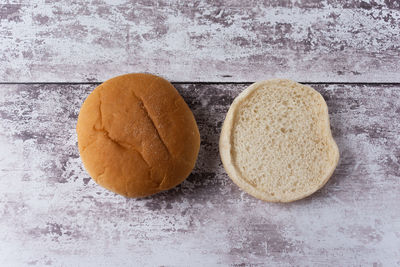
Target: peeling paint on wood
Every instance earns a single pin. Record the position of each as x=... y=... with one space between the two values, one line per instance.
x=52 y=213
x=237 y=41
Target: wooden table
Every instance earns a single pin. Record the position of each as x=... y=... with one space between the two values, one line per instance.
x=54 y=53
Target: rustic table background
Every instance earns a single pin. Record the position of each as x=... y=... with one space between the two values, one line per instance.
x=54 y=52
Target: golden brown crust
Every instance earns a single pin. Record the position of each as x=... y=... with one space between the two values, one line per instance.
x=137 y=136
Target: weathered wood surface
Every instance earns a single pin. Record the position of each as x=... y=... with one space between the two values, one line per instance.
x=238 y=41
x=52 y=213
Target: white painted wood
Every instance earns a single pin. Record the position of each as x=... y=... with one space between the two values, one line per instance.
x=52 y=213
x=235 y=41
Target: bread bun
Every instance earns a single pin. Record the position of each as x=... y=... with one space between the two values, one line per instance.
x=137 y=136
x=276 y=143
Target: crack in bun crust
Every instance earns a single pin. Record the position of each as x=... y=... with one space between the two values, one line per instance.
x=137 y=136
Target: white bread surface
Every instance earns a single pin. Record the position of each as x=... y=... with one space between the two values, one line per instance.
x=276 y=143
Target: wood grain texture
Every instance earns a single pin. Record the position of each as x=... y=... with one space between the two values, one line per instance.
x=52 y=213
x=238 y=41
